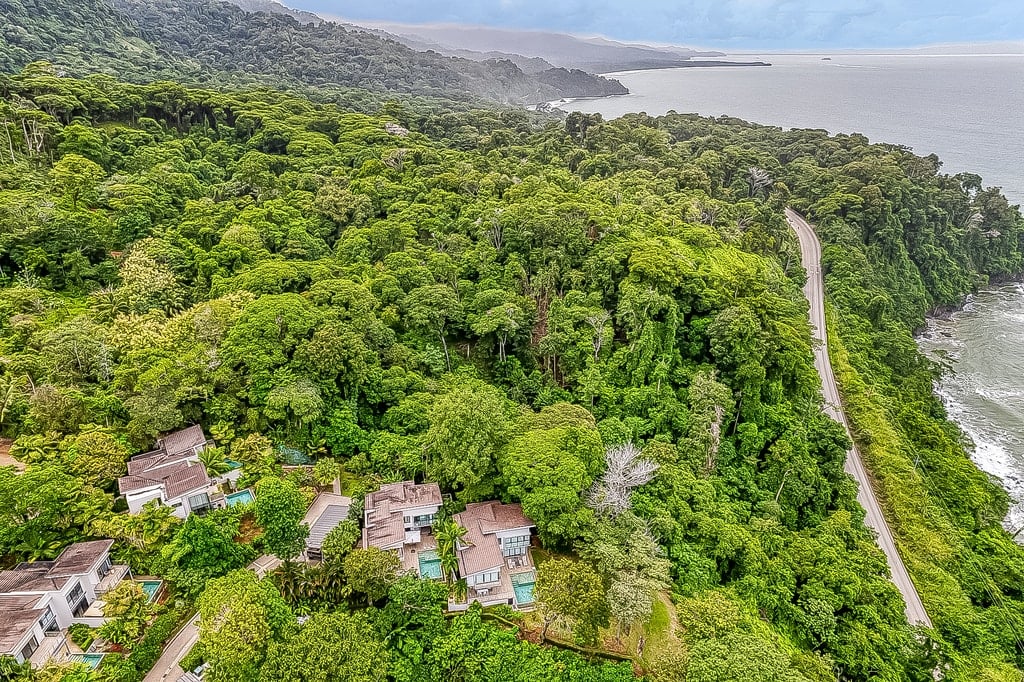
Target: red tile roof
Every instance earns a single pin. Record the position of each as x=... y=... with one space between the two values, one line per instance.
x=481 y=520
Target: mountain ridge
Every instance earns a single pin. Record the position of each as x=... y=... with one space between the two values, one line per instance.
x=207 y=42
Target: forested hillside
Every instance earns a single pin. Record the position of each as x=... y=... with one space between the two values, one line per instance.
x=494 y=306
x=210 y=41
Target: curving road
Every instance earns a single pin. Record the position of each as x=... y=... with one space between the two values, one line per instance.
x=814 y=290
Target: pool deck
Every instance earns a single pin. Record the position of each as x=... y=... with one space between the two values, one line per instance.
x=411 y=553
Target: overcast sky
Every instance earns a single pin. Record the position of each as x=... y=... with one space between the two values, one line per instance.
x=758 y=24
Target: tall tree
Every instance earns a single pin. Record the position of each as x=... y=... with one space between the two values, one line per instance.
x=571 y=592
x=240 y=616
x=329 y=646
x=280 y=507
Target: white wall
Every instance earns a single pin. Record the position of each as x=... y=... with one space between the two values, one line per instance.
x=137 y=498
x=513 y=532
x=34 y=631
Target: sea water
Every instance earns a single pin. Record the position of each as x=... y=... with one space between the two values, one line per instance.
x=981 y=349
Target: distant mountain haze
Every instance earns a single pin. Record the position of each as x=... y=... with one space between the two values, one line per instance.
x=531 y=51
x=724 y=24
x=560 y=49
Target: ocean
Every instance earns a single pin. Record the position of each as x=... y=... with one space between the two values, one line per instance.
x=981 y=348
x=968 y=110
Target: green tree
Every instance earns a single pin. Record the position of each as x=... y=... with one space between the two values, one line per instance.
x=431 y=308
x=240 y=616
x=371 y=572
x=77 y=177
x=279 y=507
x=571 y=592
x=469 y=425
x=329 y=646
x=340 y=540
x=127 y=610
x=96 y=457
x=204 y=548
x=550 y=465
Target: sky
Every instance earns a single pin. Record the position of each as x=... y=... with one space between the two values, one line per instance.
x=737 y=24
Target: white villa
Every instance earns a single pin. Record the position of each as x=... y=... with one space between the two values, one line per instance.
x=39 y=600
x=494 y=555
x=173 y=475
x=395 y=516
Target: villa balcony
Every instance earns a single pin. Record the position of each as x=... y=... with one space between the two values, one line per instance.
x=53 y=647
x=112 y=579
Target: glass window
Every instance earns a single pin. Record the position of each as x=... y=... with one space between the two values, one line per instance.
x=484 y=578
x=30 y=648
x=515 y=546
x=76 y=595
x=48 y=622
x=199 y=502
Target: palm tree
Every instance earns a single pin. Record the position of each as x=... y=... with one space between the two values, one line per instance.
x=214 y=461
x=289 y=579
x=448 y=534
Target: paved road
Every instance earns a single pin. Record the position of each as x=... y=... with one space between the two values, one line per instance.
x=810 y=256
x=167 y=668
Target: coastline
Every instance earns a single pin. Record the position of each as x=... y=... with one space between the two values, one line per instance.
x=971 y=402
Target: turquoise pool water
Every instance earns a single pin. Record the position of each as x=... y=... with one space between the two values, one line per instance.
x=293 y=456
x=430 y=565
x=241 y=497
x=233 y=464
x=91 y=660
x=522 y=585
x=150 y=587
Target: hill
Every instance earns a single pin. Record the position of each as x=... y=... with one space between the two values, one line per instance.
x=208 y=41
x=500 y=308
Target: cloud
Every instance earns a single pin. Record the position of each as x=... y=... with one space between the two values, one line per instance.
x=727 y=23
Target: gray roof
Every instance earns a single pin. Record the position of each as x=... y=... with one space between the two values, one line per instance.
x=45 y=576
x=325 y=523
x=183 y=441
x=78 y=558
x=30 y=578
x=178 y=479
x=13 y=626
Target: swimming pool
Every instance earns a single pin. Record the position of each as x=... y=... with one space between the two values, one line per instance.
x=522 y=585
x=241 y=497
x=150 y=587
x=430 y=565
x=91 y=660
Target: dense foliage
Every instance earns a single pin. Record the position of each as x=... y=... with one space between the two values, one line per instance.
x=211 y=41
x=493 y=305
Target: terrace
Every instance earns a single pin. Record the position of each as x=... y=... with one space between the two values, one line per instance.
x=419 y=557
x=112 y=579
x=53 y=647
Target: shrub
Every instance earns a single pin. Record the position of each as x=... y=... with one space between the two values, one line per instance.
x=81 y=634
